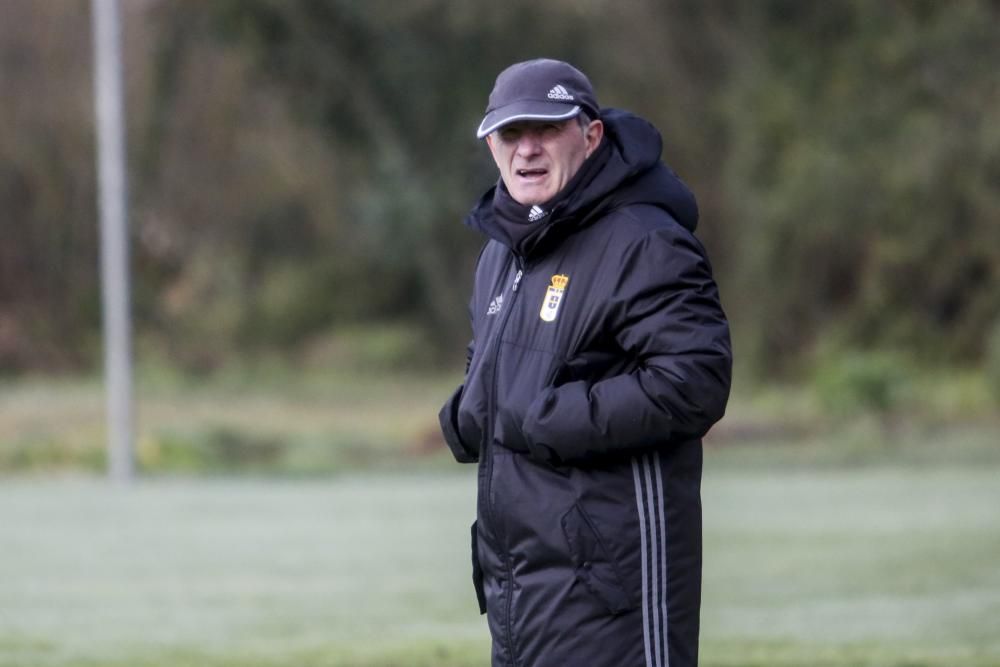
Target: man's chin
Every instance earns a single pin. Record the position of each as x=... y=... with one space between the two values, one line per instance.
x=529 y=198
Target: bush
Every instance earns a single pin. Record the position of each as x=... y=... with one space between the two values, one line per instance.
x=862 y=382
x=993 y=360
x=218 y=450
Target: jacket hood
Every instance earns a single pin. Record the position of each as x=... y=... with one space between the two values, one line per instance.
x=625 y=170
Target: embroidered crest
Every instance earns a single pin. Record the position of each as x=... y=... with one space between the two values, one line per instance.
x=553 y=297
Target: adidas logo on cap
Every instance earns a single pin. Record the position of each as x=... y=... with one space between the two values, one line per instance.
x=559 y=93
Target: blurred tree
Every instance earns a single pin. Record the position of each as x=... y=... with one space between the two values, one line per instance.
x=301 y=167
x=382 y=84
x=865 y=159
x=48 y=252
x=233 y=205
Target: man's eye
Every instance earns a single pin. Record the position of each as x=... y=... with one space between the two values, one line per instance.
x=509 y=135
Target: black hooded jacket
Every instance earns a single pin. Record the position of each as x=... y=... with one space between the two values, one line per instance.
x=600 y=356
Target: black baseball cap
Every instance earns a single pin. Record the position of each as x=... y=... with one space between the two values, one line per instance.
x=540 y=89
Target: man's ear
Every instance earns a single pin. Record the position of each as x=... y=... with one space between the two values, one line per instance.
x=593 y=135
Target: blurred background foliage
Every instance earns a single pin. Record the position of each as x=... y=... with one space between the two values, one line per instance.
x=300 y=169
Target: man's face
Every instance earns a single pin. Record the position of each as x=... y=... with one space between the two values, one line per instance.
x=538 y=158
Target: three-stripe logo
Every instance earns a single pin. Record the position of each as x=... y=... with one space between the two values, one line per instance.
x=559 y=92
x=648 y=478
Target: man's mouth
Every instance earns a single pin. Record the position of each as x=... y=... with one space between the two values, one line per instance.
x=532 y=173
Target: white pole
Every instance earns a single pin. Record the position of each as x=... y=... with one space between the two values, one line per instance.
x=114 y=236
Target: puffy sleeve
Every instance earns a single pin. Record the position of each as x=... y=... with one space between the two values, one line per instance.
x=667 y=320
x=448 y=419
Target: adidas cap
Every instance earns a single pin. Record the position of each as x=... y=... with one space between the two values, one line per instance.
x=539 y=89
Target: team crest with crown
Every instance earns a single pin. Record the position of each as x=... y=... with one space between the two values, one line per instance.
x=553 y=297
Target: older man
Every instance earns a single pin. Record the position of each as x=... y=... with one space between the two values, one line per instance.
x=600 y=357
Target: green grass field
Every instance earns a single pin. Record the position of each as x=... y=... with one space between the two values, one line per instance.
x=286 y=521
x=836 y=567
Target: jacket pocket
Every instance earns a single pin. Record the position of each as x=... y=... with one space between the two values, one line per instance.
x=592 y=367
x=477 y=570
x=593 y=562
x=522 y=372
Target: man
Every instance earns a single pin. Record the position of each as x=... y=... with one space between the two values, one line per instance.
x=600 y=357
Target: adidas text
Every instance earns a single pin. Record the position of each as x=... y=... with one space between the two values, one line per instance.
x=559 y=93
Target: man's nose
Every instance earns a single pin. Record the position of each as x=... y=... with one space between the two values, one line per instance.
x=529 y=144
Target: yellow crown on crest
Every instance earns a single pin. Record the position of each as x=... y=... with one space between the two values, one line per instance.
x=560 y=281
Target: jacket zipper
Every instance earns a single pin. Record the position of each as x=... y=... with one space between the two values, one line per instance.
x=488 y=450
x=492 y=406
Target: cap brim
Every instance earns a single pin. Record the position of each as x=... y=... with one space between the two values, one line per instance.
x=525 y=111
